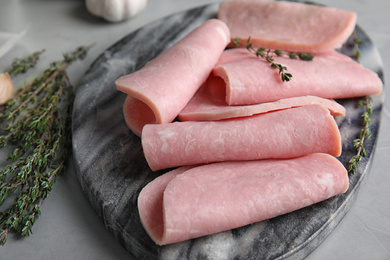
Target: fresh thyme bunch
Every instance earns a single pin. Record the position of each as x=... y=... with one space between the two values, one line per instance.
x=35 y=126
x=266 y=54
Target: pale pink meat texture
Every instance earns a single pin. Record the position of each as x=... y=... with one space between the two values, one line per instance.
x=150 y=202
x=162 y=88
x=221 y=196
x=282 y=134
x=286 y=25
x=250 y=80
x=212 y=106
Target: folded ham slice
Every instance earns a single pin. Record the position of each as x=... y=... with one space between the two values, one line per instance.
x=189 y=203
x=250 y=80
x=282 y=134
x=287 y=25
x=212 y=106
x=160 y=90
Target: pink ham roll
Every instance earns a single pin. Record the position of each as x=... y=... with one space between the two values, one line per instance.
x=249 y=80
x=286 y=25
x=282 y=134
x=189 y=203
x=160 y=90
x=212 y=106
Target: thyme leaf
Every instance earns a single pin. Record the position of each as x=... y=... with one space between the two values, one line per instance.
x=267 y=55
x=35 y=126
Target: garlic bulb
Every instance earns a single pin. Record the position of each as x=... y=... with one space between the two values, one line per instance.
x=115 y=10
x=6 y=88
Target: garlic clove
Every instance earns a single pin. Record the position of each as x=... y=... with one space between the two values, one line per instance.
x=132 y=8
x=6 y=88
x=115 y=10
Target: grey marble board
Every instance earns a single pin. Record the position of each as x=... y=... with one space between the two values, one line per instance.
x=112 y=169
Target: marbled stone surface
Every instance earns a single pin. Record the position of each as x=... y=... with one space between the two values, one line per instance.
x=112 y=170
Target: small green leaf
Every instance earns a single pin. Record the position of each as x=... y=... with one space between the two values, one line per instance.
x=292 y=55
x=279 y=52
x=305 y=56
x=3 y=236
x=286 y=76
x=368 y=133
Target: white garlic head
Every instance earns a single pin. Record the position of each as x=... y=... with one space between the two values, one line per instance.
x=115 y=10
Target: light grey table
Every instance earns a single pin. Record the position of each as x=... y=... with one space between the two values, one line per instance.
x=68 y=227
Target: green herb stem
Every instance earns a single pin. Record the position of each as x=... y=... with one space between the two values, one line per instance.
x=267 y=55
x=357 y=54
x=365 y=133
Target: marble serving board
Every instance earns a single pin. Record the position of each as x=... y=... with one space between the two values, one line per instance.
x=112 y=169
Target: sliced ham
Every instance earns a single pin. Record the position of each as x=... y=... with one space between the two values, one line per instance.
x=190 y=203
x=287 y=25
x=160 y=90
x=282 y=134
x=250 y=80
x=212 y=106
x=150 y=202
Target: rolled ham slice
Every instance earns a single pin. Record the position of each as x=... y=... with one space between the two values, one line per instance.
x=286 y=25
x=161 y=89
x=249 y=80
x=282 y=134
x=190 y=203
x=150 y=202
x=212 y=106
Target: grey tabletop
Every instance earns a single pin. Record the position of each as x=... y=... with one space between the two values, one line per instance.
x=70 y=229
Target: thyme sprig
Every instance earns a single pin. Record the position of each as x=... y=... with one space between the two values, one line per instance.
x=267 y=55
x=22 y=65
x=357 y=54
x=365 y=132
x=35 y=126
